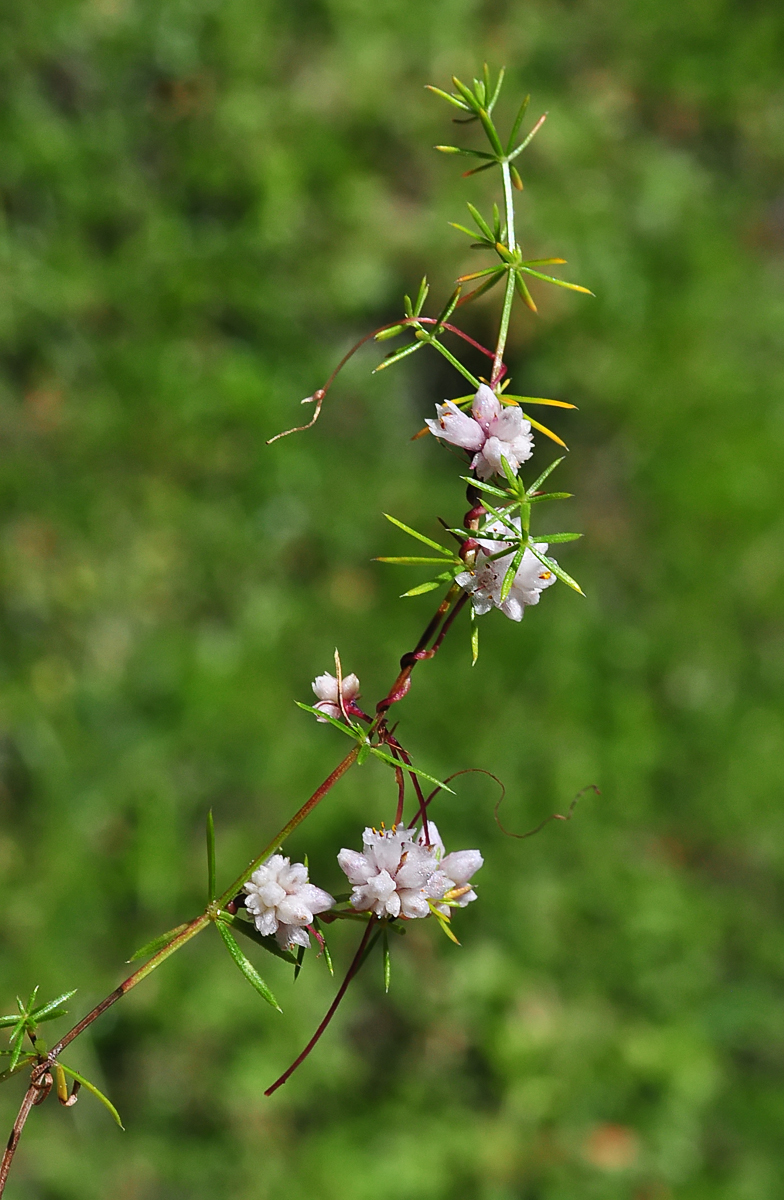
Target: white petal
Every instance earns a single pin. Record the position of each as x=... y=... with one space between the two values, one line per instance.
x=316 y=898
x=293 y=877
x=456 y=427
x=460 y=865
x=414 y=904
x=486 y=406
x=271 y=894
x=350 y=687
x=266 y=922
x=294 y=911
x=330 y=708
x=431 y=838
x=325 y=687
x=292 y=935
x=355 y=866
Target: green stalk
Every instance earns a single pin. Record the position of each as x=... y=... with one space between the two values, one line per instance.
x=455 y=362
x=298 y=817
x=510 y=279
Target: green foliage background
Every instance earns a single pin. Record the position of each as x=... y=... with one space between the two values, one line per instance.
x=204 y=203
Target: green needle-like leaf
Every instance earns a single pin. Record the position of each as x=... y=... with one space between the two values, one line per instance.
x=467 y=95
x=352 y=730
x=547 y=432
x=497 y=91
x=481 y=223
x=474 y=639
x=429 y=586
x=386 y=334
x=534 y=400
x=95 y=1091
x=419 y=536
x=557 y=570
x=424 y=288
x=497 y=276
x=518 y=122
x=465 y=152
x=446 y=96
x=247 y=967
x=394 y=762
x=408 y=562
x=387 y=962
x=573 y=287
x=157 y=943
x=553 y=538
x=20 y=1066
x=17 y=1042
x=298 y=961
x=551 y=496
x=48 y=1011
x=544 y=475
x=527 y=140
x=210 y=856
x=11 y=1019
x=411 y=348
x=484 y=487
x=509 y=577
x=523 y=292
x=249 y=930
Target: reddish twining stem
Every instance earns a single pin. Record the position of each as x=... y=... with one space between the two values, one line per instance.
x=499 y=369
x=356 y=963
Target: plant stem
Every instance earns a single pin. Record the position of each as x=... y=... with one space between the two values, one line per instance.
x=16 y=1133
x=356 y=962
x=298 y=817
x=510 y=279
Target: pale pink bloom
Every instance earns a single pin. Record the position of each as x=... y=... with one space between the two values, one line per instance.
x=281 y=901
x=326 y=689
x=485 y=580
x=398 y=874
x=493 y=431
x=454 y=871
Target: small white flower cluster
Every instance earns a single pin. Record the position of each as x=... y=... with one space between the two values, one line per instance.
x=400 y=874
x=492 y=431
x=495 y=432
x=325 y=688
x=282 y=901
x=485 y=579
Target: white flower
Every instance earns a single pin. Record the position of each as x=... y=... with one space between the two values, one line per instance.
x=493 y=431
x=486 y=578
x=454 y=870
x=399 y=874
x=281 y=901
x=326 y=689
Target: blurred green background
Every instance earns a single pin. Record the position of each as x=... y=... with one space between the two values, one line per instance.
x=203 y=205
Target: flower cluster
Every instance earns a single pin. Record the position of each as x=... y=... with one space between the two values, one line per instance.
x=492 y=431
x=485 y=579
x=282 y=901
x=325 y=687
x=401 y=874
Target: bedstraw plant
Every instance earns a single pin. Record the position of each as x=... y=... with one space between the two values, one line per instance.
x=496 y=558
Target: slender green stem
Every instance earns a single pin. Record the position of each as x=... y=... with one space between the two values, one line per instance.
x=455 y=362
x=509 y=206
x=299 y=816
x=511 y=242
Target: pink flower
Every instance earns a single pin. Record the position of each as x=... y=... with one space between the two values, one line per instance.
x=326 y=689
x=493 y=431
x=282 y=901
x=398 y=874
x=485 y=580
